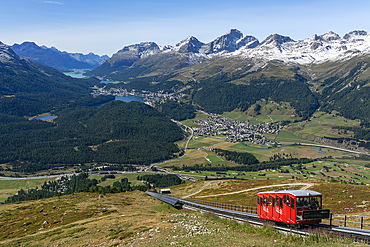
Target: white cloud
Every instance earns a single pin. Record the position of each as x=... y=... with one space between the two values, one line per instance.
x=53 y=2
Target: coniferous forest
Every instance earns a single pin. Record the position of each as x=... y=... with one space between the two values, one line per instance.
x=176 y=110
x=118 y=132
x=161 y=180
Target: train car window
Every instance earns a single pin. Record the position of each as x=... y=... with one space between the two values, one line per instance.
x=306 y=202
x=292 y=202
x=264 y=200
x=319 y=201
x=273 y=201
x=270 y=201
x=288 y=201
x=314 y=204
x=303 y=202
x=281 y=202
x=259 y=201
x=284 y=199
x=300 y=202
x=277 y=201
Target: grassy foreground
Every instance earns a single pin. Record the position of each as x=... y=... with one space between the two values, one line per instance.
x=132 y=219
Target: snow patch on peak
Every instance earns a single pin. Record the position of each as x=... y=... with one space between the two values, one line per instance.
x=166 y=47
x=190 y=44
x=357 y=34
x=316 y=49
x=248 y=42
x=144 y=49
x=329 y=36
x=276 y=40
x=234 y=32
x=7 y=54
x=224 y=43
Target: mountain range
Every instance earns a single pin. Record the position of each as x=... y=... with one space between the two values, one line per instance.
x=328 y=71
x=52 y=57
x=233 y=72
x=28 y=88
x=149 y=59
x=332 y=72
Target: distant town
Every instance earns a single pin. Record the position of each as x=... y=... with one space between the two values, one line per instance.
x=215 y=125
x=149 y=98
x=236 y=131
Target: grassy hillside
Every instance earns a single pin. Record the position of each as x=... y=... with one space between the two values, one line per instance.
x=10 y=187
x=131 y=219
x=339 y=198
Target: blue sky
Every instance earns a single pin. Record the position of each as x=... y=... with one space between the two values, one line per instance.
x=105 y=26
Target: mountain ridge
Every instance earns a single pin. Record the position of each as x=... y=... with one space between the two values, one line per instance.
x=52 y=57
x=276 y=47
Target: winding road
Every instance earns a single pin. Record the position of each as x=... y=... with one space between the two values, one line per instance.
x=191 y=136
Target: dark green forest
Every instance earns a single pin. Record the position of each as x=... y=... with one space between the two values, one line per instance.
x=347 y=94
x=237 y=157
x=176 y=110
x=118 y=132
x=29 y=89
x=161 y=180
x=276 y=164
x=218 y=96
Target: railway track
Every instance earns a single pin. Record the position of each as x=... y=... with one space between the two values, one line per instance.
x=248 y=215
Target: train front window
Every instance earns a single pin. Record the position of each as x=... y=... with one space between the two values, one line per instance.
x=315 y=202
x=292 y=202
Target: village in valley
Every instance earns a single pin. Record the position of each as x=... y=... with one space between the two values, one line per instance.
x=150 y=98
x=236 y=131
x=216 y=125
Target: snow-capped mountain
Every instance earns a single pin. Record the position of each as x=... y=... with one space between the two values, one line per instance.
x=316 y=49
x=225 y=43
x=190 y=51
x=191 y=44
x=132 y=53
x=229 y=42
x=7 y=55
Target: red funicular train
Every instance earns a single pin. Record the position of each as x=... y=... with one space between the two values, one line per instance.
x=291 y=206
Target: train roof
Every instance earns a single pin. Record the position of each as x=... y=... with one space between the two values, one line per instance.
x=294 y=192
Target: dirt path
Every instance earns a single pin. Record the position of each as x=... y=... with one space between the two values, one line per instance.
x=205 y=186
x=305 y=187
